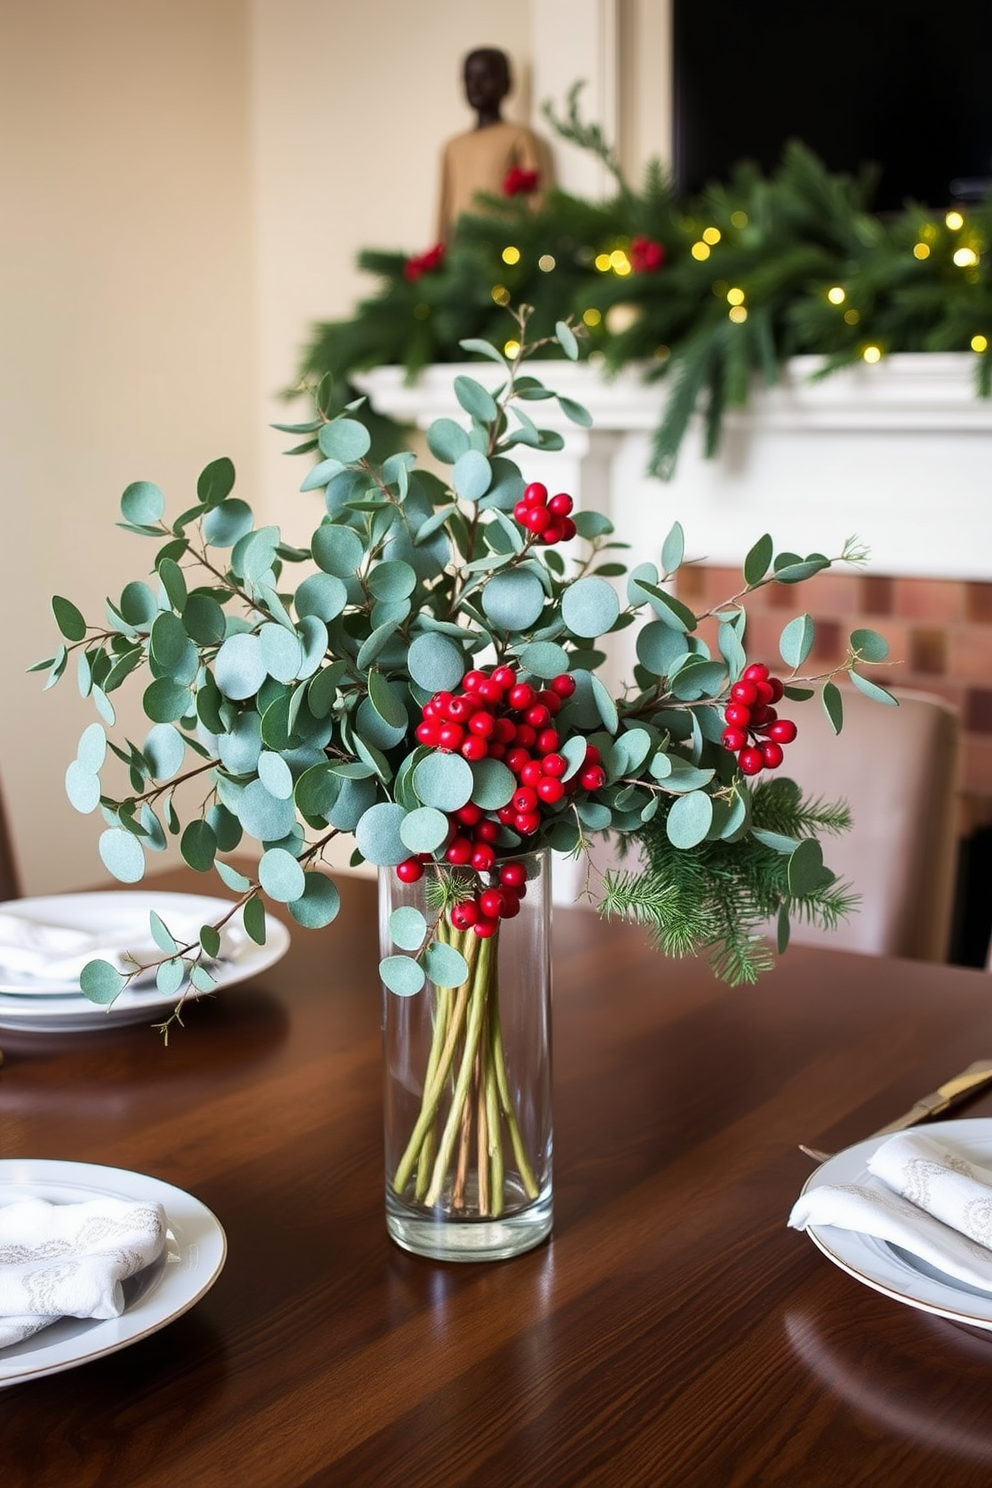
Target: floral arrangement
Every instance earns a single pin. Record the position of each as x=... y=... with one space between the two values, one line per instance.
x=433 y=686
x=706 y=295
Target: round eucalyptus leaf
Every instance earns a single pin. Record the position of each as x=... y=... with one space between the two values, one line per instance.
x=142 y=503
x=281 y=876
x=374 y=729
x=281 y=651
x=387 y=699
x=253 y=919
x=807 y=871
x=257 y=552
x=239 y=750
x=344 y=439
x=689 y=819
x=275 y=775
x=869 y=645
x=544 y=659
x=319 y=903
x=514 y=600
x=494 y=783
x=323 y=595
x=173 y=582
x=796 y=641
x=164 y=750
x=447 y=441
x=659 y=647
x=92 y=748
x=402 y=975
x=225 y=826
x=392 y=580
x=203 y=619
x=170 y=976
x=471 y=475
x=101 y=982
x=424 y=830
x=436 y=663
x=594 y=814
x=313 y=639
x=121 y=855
x=444 y=780
x=227 y=523
x=164 y=701
x=168 y=640
x=215 y=481
x=68 y=618
x=378 y=835
x=263 y=815
x=199 y=846
x=239 y=666
x=337 y=550
x=407 y=928
x=82 y=786
x=138 y=603
x=445 y=966
x=872 y=690
x=590 y=606
x=475 y=399
x=201 y=979
x=354 y=798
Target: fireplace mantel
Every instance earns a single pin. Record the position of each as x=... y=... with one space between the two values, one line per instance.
x=899 y=453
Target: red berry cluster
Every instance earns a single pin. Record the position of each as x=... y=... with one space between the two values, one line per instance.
x=754 y=731
x=423 y=263
x=520 y=182
x=646 y=255
x=547 y=519
x=496 y=716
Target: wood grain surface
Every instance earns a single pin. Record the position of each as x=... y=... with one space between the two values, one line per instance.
x=673 y=1331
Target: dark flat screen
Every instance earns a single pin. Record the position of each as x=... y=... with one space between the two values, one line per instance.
x=903 y=84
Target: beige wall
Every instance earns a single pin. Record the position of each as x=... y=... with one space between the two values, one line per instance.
x=185 y=187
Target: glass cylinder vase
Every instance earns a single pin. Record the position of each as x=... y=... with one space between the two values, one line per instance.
x=468 y=1068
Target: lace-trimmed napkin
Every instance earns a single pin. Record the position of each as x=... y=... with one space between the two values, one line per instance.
x=68 y=1260
x=35 y=948
x=923 y=1197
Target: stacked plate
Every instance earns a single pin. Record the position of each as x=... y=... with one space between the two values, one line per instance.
x=45 y=942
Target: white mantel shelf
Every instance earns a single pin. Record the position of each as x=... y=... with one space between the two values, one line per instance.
x=899 y=453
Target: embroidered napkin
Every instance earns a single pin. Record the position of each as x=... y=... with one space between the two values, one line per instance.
x=35 y=948
x=922 y=1196
x=68 y=1260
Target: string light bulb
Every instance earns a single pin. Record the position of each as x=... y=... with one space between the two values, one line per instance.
x=700 y=250
x=500 y=294
x=511 y=255
x=921 y=250
x=546 y=263
x=592 y=316
x=979 y=343
x=954 y=221
x=871 y=354
x=735 y=296
x=965 y=258
x=511 y=350
x=711 y=235
x=737 y=313
x=603 y=263
x=837 y=295
x=851 y=317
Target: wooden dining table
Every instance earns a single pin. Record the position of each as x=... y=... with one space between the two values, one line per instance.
x=672 y=1331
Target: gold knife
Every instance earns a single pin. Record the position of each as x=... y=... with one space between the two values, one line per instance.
x=949 y=1094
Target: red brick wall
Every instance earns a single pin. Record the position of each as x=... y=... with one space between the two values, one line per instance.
x=939 y=632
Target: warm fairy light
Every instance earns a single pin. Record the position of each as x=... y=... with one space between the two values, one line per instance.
x=738 y=219
x=735 y=297
x=965 y=258
x=871 y=354
x=700 y=251
x=619 y=262
x=545 y=263
x=500 y=294
x=711 y=235
x=511 y=350
x=851 y=317
x=591 y=317
x=511 y=255
x=603 y=263
x=921 y=250
x=737 y=313
x=979 y=343
x=836 y=296
x=954 y=220
x=620 y=318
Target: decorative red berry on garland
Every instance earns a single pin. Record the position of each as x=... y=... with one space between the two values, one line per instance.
x=754 y=731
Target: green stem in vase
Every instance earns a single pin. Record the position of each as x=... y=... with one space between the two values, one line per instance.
x=478 y=982
x=498 y=1065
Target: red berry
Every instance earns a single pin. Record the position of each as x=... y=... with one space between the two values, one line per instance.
x=554 y=764
x=782 y=731
x=427 y=733
x=547 y=740
x=460 y=709
x=507 y=815
x=750 y=761
x=490 y=690
x=473 y=680
x=771 y=754
x=491 y=903
x=464 y=915
x=765 y=692
x=483 y=857
x=511 y=906
x=527 y=822
x=550 y=699
x=532 y=772
x=778 y=690
x=563 y=685
x=450 y=736
x=524 y=799
x=744 y=692
x=756 y=672
x=409 y=870
x=514 y=875
x=504 y=676
x=521 y=697
x=486 y=831
x=555 y=530
x=484 y=928
x=483 y=724
x=737 y=715
x=469 y=814
x=459 y=851
x=538 y=519
x=592 y=756
x=549 y=789
x=537 y=716
x=568 y=529
x=561 y=504
x=734 y=739
x=516 y=759
x=526 y=736
x=592 y=777
x=535 y=494
x=520 y=512
x=505 y=731
x=473 y=748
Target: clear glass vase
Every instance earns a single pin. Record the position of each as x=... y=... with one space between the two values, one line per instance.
x=468 y=1075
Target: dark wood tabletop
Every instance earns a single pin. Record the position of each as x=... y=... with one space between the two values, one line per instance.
x=673 y=1331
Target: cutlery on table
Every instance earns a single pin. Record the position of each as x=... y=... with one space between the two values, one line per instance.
x=951 y=1093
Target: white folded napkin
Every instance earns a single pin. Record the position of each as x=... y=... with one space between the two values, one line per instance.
x=68 y=1260
x=921 y=1196
x=58 y=953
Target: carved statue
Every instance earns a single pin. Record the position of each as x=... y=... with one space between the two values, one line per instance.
x=496 y=157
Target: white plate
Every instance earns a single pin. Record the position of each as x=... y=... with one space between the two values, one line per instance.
x=60 y=1007
x=887 y=1268
x=195 y=1249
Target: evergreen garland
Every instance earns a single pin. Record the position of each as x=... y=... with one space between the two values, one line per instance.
x=807 y=267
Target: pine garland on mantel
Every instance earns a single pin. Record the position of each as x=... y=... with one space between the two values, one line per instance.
x=708 y=294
